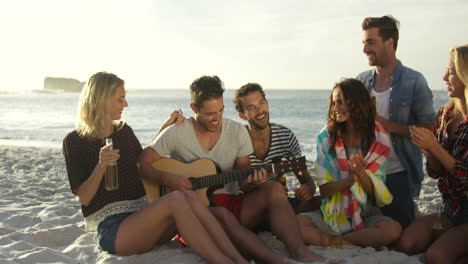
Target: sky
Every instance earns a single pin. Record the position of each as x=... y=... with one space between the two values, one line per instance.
x=164 y=44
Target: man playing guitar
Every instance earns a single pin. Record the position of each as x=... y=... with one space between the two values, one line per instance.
x=252 y=201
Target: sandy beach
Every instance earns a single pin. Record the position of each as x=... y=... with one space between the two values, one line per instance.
x=41 y=221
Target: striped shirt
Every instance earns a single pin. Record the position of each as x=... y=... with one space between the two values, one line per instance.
x=283 y=144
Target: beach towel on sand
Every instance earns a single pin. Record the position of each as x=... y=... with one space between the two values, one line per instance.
x=342 y=210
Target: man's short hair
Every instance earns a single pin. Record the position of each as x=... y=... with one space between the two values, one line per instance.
x=388 y=27
x=245 y=90
x=206 y=88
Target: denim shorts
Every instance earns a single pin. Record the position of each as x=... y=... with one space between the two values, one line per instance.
x=461 y=217
x=107 y=231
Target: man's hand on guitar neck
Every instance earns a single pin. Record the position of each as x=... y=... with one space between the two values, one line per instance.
x=258 y=177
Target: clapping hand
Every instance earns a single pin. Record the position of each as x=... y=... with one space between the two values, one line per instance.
x=423 y=138
x=356 y=165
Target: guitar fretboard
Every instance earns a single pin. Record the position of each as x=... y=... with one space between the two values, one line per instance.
x=225 y=177
x=297 y=164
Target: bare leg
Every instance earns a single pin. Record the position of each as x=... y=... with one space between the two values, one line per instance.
x=313 y=236
x=213 y=227
x=155 y=224
x=417 y=237
x=382 y=233
x=246 y=239
x=449 y=247
x=270 y=200
x=308 y=206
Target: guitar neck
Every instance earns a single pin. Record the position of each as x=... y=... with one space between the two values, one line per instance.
x=225 y=177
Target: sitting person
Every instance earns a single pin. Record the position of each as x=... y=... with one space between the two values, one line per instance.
x=240 y=206
x=351 y=151
x=444 y=237
x=124 y=221
x=272 y=142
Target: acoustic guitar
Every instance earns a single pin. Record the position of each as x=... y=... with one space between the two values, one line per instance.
x=203 y=173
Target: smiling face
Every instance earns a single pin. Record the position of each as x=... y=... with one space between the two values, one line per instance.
x=210 y=115
x=339 y=107
x=375 y=47
x=455 y=87
x=118 y=103
x=255 y=108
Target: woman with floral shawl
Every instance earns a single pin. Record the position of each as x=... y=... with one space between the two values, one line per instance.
x=351 y=152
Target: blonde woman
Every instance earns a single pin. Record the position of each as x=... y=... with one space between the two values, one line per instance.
x=126 y=224
x=445 y=236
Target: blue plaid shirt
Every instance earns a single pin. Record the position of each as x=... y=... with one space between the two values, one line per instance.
x=410 y=103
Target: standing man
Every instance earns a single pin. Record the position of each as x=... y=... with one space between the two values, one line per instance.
x=403 y=98
x=208 y=135
x=272 y=142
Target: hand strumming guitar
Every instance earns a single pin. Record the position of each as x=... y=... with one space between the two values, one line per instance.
x=175 y=182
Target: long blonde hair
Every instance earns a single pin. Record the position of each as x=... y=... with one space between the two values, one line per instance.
x=460 y=60
x=94 y=105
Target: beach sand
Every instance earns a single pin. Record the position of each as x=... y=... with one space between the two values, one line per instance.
x=41 y=221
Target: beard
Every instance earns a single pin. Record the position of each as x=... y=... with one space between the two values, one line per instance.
x=372 y=59
x=207 y=125
x=265 y=122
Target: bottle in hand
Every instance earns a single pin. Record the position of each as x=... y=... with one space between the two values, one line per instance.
x=111 y=179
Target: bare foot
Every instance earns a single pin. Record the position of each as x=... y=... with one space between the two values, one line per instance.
x=305 y=254
x=335 y=241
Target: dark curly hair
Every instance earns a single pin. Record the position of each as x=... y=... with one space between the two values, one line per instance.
x=245 y=90
x=362 y=111
x=205 y=88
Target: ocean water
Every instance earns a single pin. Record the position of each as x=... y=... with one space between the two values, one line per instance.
x=43 y=119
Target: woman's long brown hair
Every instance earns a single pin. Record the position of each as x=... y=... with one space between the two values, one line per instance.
x=362 y=111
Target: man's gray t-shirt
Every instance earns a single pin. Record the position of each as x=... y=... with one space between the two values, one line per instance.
x=180 y=142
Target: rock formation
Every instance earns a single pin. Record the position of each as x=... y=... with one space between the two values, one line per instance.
x=67 y=85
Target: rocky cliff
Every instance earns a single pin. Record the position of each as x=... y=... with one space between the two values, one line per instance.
x=67 y=85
